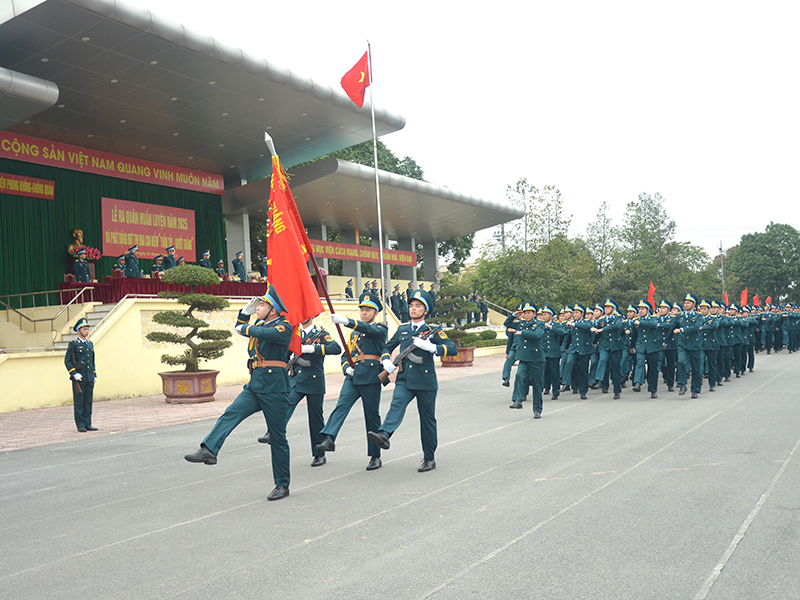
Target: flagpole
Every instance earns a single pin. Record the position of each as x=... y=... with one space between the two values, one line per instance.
x=381 y=293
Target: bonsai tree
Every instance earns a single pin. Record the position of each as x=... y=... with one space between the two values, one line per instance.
x=452 y=308
x=212 y=342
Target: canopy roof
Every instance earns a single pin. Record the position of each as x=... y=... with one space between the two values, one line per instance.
x=132 y=83
x=341 y=195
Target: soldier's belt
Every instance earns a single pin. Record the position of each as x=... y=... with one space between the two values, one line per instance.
x=261 y=364
x=364 y=357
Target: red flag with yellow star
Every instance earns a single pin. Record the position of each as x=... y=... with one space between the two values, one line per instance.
x=356 y=81
x=289 y=249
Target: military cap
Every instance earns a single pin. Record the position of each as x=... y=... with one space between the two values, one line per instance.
x=220 y=262
x=181 y=259
x=349 y=281
x=370 y=300
x=597 y=306
x=273 y=299
x=745 y=308
x=528 y=306
x=579 y=307
x=643 y=303
x=265 y=258
x=133 y=248
x=546 y=308
x=566 y=309
x=714 y=304
x=664 y=302
x=733 y=306
x=424 y=297
x=81 y=251
x=610 y=302
x=396 y=286
x=159 y=257
x=422 y=285
x=207 y=253
x=690 y=297
x=121 y=257
x=704 y=302
x=82 y=322
x=676 y=305
x=170 y=249
x=239 y=254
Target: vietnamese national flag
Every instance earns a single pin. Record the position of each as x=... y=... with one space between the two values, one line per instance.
x=289 y=251
x=356 y=81
x=755 y=300
x=651 y=298
x=744 y=297
x=726 y=298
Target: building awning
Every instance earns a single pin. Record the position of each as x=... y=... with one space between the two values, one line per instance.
x=135 y=84
x=341 y=195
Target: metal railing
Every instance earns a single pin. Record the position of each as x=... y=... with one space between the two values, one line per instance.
x=498 y=308
x=6 y=304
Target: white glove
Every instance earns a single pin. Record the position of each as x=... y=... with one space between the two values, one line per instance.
x=425 y=345
x=77 y=377
x=339 y=319
x=349 y=371
x=250 y=307
x=240 y=329
x=389 y=366
x=308 y=348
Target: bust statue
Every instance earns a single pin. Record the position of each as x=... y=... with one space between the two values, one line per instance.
x=77 y=240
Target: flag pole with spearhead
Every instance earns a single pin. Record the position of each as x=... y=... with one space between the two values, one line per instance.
x=345 y=346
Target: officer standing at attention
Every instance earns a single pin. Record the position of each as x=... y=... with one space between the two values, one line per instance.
x=132 y=263
x=361 y=381
x=689 y=346
x=263 y=268
x=551 y=345
x=530 y=355
x=157 y=266
x=404 y=316
x=395 y=302
x=308 y=381
x=220 y=270
x=120 y=266
x=238 y=267
x=81 y=268
x=267 y=391
x=206 y=260
x=79 y=361
x=415 y=379
x=348 y=289
x=169 y=258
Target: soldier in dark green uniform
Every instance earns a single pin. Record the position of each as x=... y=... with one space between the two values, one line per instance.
x=609 y=331
x=120 y=265
x=668 y=317
x=581 y=348
x=132 y=263
x=157 y=268
x=206 y=260
x=169 y=258
x=268 y=390
x=403 y=308
x=632 y=353
x=81 y=268
x=361 y=381
x=238 y=267
x=220 y=270
x=689 y=346
x=263 y=268
x=551 y=345
x=415 y=379
x=308 y=381
x=79 y=361
x=395 y=303
x=181 y=261
x=348 y=289
x=650 y=343
x=530 y=355
x=512 y=341
x=710 y=343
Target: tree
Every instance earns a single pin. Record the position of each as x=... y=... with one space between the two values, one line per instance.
x=602 y=239
x=646 y=230
x=456 y=251
x=544 y=218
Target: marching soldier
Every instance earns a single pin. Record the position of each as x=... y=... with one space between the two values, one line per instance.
x=609 y=330
x=530 y=355
x=511 y=352
x=81 y=268
x=220 y=270
x=132 y=263
x=79 y=361
x=565 y=318
x=169 y=258
x=157 y=267
x=670 y=363
x=415 y=380
x=650 y=342
x=268 y=389
x=238 y=267
x=551 y=345
x=689 y=347
x=633 y=352
x=710 y=344
x=361 y=381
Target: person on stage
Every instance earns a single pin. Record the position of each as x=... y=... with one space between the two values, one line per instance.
x=81 y=268
x=169 y=258
x=220 y=270
x=79 y=361
x=263 y=269
x=238 y=267
x=365 y=344
x=158 y=267
x=206 y=260
x=415 y=379
x=132 y=263
x=120 y=265
x=268 y=389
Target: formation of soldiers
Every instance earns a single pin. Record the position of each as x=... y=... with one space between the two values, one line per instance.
x=128 y=264
x=280 y=380
x=593 y=347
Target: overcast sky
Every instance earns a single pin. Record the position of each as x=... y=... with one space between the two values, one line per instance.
x=696 y=100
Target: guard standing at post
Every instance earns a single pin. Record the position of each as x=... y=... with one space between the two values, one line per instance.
x=267 y=391
x=79 y=361
x=238 y=267
x=530 y=355
x=81 y=268
x=415 y=380
x=361 y=381
x=132 y=263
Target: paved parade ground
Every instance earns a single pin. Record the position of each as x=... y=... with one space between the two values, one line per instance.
x=635 y=498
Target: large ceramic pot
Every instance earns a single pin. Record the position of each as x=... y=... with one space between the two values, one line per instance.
x=181 y=387
x=464 y=358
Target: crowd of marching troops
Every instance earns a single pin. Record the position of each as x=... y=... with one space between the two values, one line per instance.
x=591 y=347
x=127 y=265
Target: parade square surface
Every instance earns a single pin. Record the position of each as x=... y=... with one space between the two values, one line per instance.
x=603 y=499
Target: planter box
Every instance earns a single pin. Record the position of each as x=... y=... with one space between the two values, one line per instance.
x=464 y=358
x=180 y=387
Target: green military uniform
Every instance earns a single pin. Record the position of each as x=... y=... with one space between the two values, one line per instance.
x=157 y=267
x=581 y=347
x=710 y=346
x=348 y=290
x=650 y=344
x=416 y=380
x=220 y=270
x=689 y=348
x=79 y=361
x=132 y=263
x=531 y=359
x=81 y=269
x=169 y=258
x=551 y=345
x=238 y=267
x=365 y=344
x=610 y=346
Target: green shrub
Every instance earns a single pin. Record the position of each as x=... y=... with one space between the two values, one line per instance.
x=488 y=334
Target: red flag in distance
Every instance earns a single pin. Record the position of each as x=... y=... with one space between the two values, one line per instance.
x=356 y=81
x=726 y=298
x=769 y=299
x=744 y=297
x=756 y=301
x=651 y=296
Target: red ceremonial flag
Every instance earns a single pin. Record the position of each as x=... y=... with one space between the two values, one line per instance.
x=755 y=300
x=744 y=297
x=726 y=298
x=356 y=81
x=288 y=251
x=651 y=298
x=769 y=299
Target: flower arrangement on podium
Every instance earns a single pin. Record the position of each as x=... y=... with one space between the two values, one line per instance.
x=234 y=278
x=91 y=253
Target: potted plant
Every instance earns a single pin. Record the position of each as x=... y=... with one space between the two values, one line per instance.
x=451 y=310
x=192 y=384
